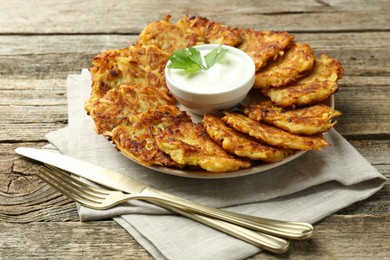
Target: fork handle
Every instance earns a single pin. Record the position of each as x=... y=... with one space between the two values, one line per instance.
x=285 y=229
x=264 y=241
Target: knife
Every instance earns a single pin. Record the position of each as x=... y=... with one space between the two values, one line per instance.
x=117 y=181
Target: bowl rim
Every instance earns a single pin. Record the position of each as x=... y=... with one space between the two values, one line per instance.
x=235 y=51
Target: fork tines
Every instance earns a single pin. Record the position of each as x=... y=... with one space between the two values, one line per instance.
x=70 y=186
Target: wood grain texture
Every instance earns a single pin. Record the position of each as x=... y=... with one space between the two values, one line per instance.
x=69 y=240
x=126 y=17
x=23 y=197
x=360 y=236
x=42 y=42
x=54 y=57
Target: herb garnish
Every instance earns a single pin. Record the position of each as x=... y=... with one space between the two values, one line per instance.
x=190 y=59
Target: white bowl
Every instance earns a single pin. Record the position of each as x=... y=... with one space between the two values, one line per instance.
x=205 y=98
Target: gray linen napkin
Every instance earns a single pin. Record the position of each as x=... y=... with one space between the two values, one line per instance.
x=309 y=188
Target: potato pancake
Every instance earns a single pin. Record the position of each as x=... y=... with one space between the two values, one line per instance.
x=264 y=46
x=188 y=31
x=137 y=139
x=130 y=65
x=308 y=121
x=320 y=84
x=293 y=65
x=241 y=144
x=189 y=144
x=118 y=103
x=170 y=37
x=214 y=33
x=272 y=135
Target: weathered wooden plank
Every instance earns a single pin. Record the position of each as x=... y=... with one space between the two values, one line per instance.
x=23 y=197
x=365 y=104
x=375 y=151
x=342 y=237
x=71 y=240
x=31 y=108
x=337 y=237
x=31 y=123
x=54 y=57
x=131 y=16
x=30 y=92
x=360 y=54
x=74 y=44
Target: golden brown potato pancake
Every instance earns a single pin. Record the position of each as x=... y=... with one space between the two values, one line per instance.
x=241 y=144
x=308 y=120
x=170 y=37
x=118 y=103
x=320 y=84
x=189 y=144
x=131 y=65
x=188 y=31
x=264 y=46
x=137 y=139
x=293 y=65
x=272 y=135
x=214 y=33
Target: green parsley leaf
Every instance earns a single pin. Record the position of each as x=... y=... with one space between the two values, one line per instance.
x=190 y=59
x=214 y=56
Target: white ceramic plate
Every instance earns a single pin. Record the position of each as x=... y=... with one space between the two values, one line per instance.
x=257 y=168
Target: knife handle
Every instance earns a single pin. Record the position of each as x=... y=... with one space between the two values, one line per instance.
x=264 y=241
x=285 y=229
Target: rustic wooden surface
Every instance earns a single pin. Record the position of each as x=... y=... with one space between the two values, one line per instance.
x=41 y=42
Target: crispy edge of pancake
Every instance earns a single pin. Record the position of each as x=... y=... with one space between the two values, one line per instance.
x=240 y=144
x=304 y=94
x=135 y=64
x=272 y=135
x=297 y=61
x=186 y=32
x=320 y=84
x=137 y=140
x=117 y=104
x=214 y=33
x=307 y=121
x=189 y=144
x=264 y=46
x=170 y=37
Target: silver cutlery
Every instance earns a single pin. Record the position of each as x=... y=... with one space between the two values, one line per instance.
x=99 y=198
x=124 y=185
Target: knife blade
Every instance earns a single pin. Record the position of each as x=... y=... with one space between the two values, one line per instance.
x=95 y=173
x=118 y=181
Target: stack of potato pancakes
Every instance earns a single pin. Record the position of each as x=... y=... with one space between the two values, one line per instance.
x=131 y=104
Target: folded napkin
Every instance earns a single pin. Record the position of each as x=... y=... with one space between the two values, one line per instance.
x=308 y=189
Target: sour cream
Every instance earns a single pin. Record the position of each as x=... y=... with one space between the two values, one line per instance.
x=220 y=87
x=225 y=75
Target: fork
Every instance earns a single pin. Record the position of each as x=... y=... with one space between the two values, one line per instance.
x=101 y=198
x=93 y=199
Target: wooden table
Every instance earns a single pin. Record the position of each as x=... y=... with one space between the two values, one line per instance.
x=41 y=42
